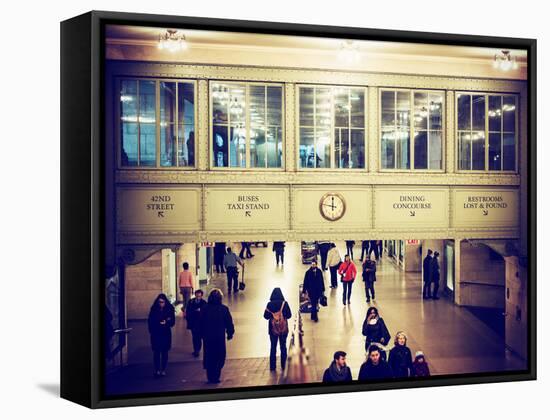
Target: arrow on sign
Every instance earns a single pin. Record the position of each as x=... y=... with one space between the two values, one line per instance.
x=485 y=212
x=160 y=214
x=412 y=213
x=247 y=214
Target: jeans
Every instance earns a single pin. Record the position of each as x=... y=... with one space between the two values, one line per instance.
x=186 y=292
x=334 y=275
x=160 y=360
x=347 y=290
x=280 y=255
x=197 y=341
x=314 y=300
x=232 y=279
x=273 y=352
x=369 y=287
x=350 y=250
x=364 y=251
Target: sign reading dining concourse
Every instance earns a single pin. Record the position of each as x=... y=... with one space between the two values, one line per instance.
x=485 y=208
x=411 y=208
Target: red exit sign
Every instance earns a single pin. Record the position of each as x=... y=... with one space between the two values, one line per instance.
x=413 y=242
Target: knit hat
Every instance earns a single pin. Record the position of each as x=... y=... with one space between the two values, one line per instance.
x=418 y=354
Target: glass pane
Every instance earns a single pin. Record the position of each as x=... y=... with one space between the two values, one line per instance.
x=435 y=108
x=237 y=147
x=464 y=151
x=323 y=104
x=421 y=150
x=307 y=151
x=167 y=102
x=186 y=144
x=478 y=151
x=357 y=99
x=148 y=145
x=257 y=147
x=128 y=100
x=402 y=148
x=509 y=158
x=257 y=105
x=388 y=108
x=341 y=107
x=306 y=106
x=186 y=103
x=237 y=105
x=478 y=112
x=147 y=101
x=403 y=109
x=274 y=147
x=357 y=155
x=495 y=113
x=322 y=147
x=220 y=147
x=220 y=102
x=421 y=111
x=495 y=158
x=388 y=149
x=275 y=106
x=509 y=113
x=435 y=152
x=129 y=151
x=341 y=148
x=464 y=112
x=167 y=145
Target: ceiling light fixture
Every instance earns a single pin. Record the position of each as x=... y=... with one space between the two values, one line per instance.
x=172 y=41
x=505 y=61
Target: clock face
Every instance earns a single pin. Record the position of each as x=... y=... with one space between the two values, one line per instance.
x=332 y=206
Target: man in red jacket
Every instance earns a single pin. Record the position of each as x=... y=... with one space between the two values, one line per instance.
x=348 y=271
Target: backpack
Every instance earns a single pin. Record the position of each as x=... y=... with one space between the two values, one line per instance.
x=279 y=324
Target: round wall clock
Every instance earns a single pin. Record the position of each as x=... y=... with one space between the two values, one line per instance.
x=332 y=206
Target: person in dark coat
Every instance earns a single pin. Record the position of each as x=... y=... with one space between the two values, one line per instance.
x=400 y=358
x=338 y=371
x=375 y=367
x=245 y=248
x=420 y=366
x=215 y=324
x=324 y=248
x=426 y=275
x=349 y=248
x=162 y=318
x=219 y=253
x=192 y=315
x=369 y=277
x=434 y=275
x=375 y=330
x=374 y=248
x=314 y=285
x=364 y=249
x=277 y=309
x=279 y=250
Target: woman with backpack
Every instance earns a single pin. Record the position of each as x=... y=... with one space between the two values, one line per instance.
x=277 y=313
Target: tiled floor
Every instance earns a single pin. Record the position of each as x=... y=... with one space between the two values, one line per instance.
x=453 y=339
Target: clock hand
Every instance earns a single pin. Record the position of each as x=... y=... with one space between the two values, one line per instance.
x=332 y=206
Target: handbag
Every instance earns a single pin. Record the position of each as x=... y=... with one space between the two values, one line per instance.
x=242 y=285
x=323 y=300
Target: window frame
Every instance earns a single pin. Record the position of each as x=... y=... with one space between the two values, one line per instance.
x=247 y=84
x=332 y=128
x=411 y=92
x=486 y=171
x=118 y=139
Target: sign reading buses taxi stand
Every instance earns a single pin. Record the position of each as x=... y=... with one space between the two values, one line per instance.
x=475 y=207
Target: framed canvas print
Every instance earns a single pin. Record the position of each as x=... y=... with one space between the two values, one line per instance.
x=256 y=209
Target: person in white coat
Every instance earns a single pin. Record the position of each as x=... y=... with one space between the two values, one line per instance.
x=333 y=261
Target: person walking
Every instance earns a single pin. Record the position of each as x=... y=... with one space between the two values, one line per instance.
x=215 y=324
x=400 y=358
x=426 y=275
x=245 y=248
x=375 y=367
x=348 y=271
x=279 y=250
x=338 y=371
x=162 y=318
x=420 y=366
x=364 y=249
x=193 y=312
x=324 y=247
x=219 y=253
x=349 y=248
x=369 y=277
x=186 y=284
x=434 y=275
x=277 y=312
x=333 y=261
x=380 y=249
x=230 y=261
x=314 y=285
x=374 y=248
x=375 y=330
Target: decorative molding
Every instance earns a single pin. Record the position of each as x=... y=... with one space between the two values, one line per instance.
x=450 y=133
x=291 y=137
x=373 y=136
x=203 y=125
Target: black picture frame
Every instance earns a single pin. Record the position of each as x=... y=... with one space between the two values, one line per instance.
x=83 y=201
